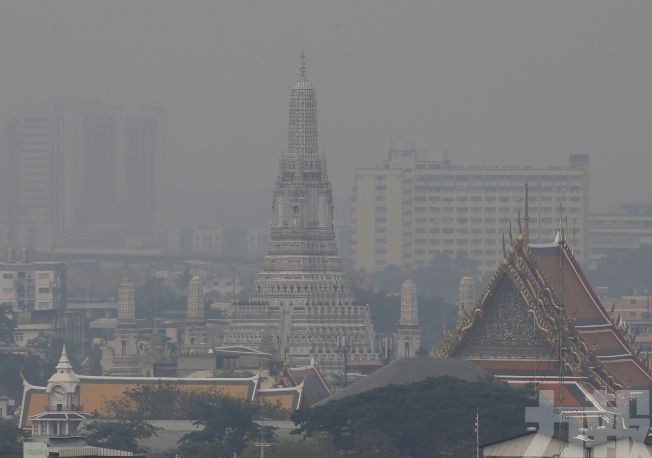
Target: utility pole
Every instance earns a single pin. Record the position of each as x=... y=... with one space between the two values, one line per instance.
x=344 y=348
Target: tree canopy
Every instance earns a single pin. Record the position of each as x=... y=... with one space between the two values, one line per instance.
x=440 y=278
x=155 y=297
x=433 y=417
x=319 y=446
x=11 y=439
x=385 y=309
x=7 y=325
x=226 y=425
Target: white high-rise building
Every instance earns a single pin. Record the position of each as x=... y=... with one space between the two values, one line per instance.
x=81 y=173
x=417 y=204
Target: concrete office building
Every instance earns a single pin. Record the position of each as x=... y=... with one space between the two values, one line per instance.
x=31 y=164
x=418 y=204
x=81 y=174
x=32 y=286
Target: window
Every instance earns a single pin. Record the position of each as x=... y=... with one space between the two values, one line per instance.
x=8 y=275
x=44 y=290
x=18 y=337
x=7 y=290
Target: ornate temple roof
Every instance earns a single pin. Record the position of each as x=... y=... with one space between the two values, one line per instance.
x=514 y=331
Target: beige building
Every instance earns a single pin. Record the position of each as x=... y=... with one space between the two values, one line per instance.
x=378 y=221
x=417 y=204
x=627 y=228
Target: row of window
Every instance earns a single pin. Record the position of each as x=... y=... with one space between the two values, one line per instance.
x=10 y=275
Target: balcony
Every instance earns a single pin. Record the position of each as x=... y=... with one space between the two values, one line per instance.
x=60 y=408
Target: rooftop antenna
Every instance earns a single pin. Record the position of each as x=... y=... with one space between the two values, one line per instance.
x=477 y=433
x=518 y=221
x=511 y=237
x=526 y=234
x=561 y=220
x=561 y=321
x=234 y=301
x=539 y=218
x=263 y=444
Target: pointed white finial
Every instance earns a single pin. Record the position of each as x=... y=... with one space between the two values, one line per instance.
x=64 y=362
x=302 y=67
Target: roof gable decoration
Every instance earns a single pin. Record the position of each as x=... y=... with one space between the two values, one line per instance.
x=543 y=306
x=613 y=321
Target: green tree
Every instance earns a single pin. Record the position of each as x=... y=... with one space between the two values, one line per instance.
x=625 y=271
x=161 y=401
x=442 y=276
x=420 y=419
x=11 y=439
x=226 y=426
x=319 y=446
x=47 y=349
x=434 y=314
x=7 y=325
x=121 y=434
x=155 y=297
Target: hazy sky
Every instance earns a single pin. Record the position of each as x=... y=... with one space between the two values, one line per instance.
x=525 y=82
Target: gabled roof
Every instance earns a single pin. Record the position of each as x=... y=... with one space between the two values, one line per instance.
x=604 y=331
x=315 y=385
x=521 y=293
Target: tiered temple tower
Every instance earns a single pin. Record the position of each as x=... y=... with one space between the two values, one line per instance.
x=408 y=335
x=302 y=297
x=195 y=336
x=126 y=357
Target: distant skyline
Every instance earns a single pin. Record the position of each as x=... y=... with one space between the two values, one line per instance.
x=491 y=82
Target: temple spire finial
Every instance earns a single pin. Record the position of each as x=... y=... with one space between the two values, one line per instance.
x=302 y=67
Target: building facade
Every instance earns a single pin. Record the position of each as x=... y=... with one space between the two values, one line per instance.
x=32 y=168
x=32 y=286
x=79 y=174
x=417 y=204
x=626 y=228
x=302 y=302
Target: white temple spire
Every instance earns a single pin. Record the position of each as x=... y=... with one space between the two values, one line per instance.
x=302 y=67
x=126 y=301
x=409 y=309
x=195 y=307
x=408 y=335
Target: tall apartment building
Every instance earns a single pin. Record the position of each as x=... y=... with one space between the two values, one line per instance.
x=417 y=204
x=114 y=155
x=80 y=174
x=32 y=164
x=32 y=286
